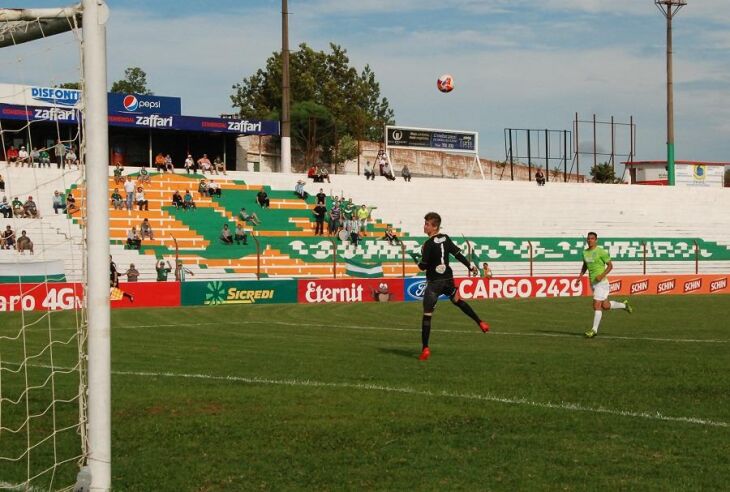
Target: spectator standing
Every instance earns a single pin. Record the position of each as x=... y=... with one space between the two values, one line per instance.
x=262 y=198
x=60 y=150
x=353 y=230
x=321 y=197
x=2 y=183
x=319 y=212
x=363 y=214
x=129 y=189
x=118 y=171
x=132 y=273
x=59 y=203
x=180 y=271
x=163 y=271
x=380 y=161
x=35 y=156
x=335 y=216
x=406 y=173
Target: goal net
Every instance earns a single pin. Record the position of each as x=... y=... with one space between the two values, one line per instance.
x=44 y=261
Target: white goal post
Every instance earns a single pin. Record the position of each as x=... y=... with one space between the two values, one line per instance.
x=23 y=25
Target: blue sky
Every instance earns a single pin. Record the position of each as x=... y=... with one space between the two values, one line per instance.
x=517 y=63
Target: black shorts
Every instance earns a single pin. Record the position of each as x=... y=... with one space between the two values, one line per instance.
x=436 y=288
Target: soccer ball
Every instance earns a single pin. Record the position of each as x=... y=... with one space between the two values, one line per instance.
x=445 y=83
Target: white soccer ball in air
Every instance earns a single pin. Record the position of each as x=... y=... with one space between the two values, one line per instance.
x=445 y=83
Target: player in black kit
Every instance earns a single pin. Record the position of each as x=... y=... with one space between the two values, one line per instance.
x=439 y=277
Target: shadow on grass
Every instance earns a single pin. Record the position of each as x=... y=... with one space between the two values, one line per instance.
x=411 y=354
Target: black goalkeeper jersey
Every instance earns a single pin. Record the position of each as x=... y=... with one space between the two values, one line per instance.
x=435 y=254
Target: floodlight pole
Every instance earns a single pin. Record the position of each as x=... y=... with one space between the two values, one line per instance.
x=669 y=9
x=285 y=118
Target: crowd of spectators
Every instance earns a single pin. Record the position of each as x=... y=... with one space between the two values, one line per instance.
x=64 y=155
x=9 y=240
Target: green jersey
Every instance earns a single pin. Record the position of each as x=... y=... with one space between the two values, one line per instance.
x=596 y=260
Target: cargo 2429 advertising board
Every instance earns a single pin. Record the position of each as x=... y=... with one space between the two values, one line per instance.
x=506 y=287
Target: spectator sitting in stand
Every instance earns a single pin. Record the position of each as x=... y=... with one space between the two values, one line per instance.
x=241 y=235
x=8 y=238
x=248 y=218
x=30 y=210
x=188 y=200
x=59 y=203
x=189 y=164
x=160 y=162
x=204 y=164
x=312 y=173
x=132 y=273
x=406 y=173
x=5 y=208
x=133 y=239
x=144 y=177
x=140 y=200
x=540 y=177
x=44 y=158
x=71 y=158
x=23 y=157
x=12 y=155
x=118 y=171
x=35 y=156
x=203 y=187
x=2 y=183
x=214 y=188
x=391 y=237
x=71 y=204
x=388 y=172
x=323 y=174
x=299 y=190
x=226 y=237
x=486 y=271
x=145 y=229
x=262 y=198
x=17 y=207
x=117 y=200
x=219 y=166
x=24 y=243
x=368 y=171
x=169 y=167
x=177 y=200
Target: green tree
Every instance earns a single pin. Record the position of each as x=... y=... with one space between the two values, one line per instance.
x=604 y=173
x=325 y=79
x=134 y=81
x=70 y=85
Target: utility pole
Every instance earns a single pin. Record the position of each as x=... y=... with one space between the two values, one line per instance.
x=285 y=118
x=669 y=9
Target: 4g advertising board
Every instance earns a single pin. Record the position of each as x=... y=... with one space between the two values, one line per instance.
x=505 y=287
x=350 y=290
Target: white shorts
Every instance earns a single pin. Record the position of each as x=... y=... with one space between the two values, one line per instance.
x=600 y=290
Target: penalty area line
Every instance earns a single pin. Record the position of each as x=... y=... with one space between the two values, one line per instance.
x=565 y=406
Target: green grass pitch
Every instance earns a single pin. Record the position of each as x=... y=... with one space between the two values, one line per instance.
x=331 y=397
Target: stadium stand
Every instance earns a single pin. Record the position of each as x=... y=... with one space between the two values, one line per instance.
x=499 y=222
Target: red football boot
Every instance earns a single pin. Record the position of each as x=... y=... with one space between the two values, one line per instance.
x=425 y=354
x=484 y=326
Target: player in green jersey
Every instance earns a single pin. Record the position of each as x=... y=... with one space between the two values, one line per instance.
x=597 y=262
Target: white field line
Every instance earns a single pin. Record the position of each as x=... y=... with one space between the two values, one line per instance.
x=383 y=328
x=567 y=406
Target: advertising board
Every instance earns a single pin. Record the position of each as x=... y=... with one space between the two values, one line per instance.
x=217 y=292
x=350 y=290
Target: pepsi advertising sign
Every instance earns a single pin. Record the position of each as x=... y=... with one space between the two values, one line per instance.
x=141 y=104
